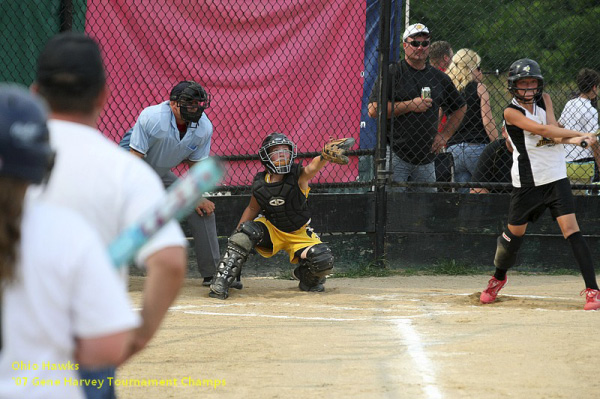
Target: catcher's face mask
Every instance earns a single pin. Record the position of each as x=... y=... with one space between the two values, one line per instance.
x=277 y=154
x=280 y=157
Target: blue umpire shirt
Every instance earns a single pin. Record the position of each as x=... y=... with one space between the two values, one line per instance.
x=155 y=135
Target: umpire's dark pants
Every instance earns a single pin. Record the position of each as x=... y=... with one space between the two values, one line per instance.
x=204 y=231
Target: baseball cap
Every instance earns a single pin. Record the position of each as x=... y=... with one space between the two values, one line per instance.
x=415 y=29
x=72 y=61
x=25 y=151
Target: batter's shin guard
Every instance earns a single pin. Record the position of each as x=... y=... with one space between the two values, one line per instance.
x=507 y=249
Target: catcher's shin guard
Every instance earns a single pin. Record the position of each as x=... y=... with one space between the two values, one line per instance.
x=239 y=246
x=313 y=270
x=308 y=281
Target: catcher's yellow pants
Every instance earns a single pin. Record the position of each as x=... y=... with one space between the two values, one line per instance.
x=288 y=242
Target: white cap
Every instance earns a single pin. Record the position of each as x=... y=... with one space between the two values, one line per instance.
x=415 y=29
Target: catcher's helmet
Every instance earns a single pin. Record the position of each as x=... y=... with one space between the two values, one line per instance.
x=522 y=69
x=283 y=164
x=191 y=99
x=25 y=151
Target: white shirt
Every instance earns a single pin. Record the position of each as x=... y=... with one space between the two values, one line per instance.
x=155 y=135
x=109 y=187
x=581 y=116
x=55 y=297
x=536 y=160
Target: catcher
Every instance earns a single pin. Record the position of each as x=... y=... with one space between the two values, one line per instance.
x=279 y=195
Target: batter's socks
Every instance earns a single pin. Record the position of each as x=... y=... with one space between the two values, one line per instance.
x=500 y=274
x=583 y=256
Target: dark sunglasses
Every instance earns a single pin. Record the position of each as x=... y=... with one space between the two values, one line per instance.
x=417 y=43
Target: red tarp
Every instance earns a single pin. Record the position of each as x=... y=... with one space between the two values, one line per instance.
x=281 y=65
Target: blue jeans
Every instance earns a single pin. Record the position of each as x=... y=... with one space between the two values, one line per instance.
x=92 y=392
x=466 y=156
x=403 y=171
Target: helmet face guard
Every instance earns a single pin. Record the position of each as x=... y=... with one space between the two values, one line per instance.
x=277 y=161
x=525 y=69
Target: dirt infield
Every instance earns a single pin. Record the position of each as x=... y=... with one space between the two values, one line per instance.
x=394 y=337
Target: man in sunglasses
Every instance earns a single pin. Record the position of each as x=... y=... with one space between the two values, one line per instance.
x=416 y=93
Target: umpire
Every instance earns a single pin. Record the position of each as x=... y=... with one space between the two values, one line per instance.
x=174 y=132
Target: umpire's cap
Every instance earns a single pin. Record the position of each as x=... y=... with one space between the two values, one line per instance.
x=25 y=151
x=191 y=89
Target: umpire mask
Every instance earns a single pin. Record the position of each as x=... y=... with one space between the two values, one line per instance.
x=192 y=101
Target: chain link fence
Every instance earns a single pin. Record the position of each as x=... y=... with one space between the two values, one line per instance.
x=308 y=68
x=475 y=43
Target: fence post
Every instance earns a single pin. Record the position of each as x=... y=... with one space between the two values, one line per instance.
x=66 y=15
x=382 y=174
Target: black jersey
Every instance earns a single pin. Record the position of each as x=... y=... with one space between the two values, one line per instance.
x=282 y=202
x=471 y=129
x=411 y=134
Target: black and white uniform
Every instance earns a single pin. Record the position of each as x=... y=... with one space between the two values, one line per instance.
x=539 y=174
x=536 y=160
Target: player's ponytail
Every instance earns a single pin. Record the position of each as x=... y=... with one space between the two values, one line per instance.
x=12 y=194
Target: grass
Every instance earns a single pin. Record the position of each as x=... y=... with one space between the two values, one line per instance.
x=448 y=267
x=371 y=269
x=443 y=267
x=451 y=267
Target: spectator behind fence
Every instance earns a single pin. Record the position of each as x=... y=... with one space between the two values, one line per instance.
x=62 y=302
x=107 y=186
x=539 y=178
x=581 y=114
x=494 y=166
x=440 y=56
x=413 y=139
x=477 y=128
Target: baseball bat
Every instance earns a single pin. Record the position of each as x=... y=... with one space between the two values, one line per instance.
x=179 y=201
x=597 y=134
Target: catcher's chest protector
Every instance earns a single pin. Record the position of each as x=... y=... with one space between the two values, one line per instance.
x=283 y=202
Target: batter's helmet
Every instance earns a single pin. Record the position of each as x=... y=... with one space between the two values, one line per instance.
x=522 y=69
x=191 y=99
x=25 y=151
x=278 y=167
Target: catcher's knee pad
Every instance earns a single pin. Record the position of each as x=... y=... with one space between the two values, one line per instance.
x=319 y=260
x=253 y=230
x=506 y=250
x=239 y=246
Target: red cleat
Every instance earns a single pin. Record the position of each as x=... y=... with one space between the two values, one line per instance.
x=491 y=292
x=592 y=299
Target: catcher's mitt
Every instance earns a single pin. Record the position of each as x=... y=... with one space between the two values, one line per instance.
x=334 y=150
